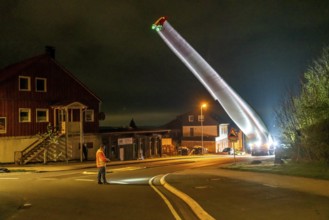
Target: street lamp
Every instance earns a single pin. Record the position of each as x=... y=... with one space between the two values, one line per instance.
x=201 y=119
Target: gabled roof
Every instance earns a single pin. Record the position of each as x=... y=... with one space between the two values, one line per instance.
x=210 y=118
x=15 y=69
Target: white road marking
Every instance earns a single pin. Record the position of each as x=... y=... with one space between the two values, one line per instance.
x=47 y=179
x=201 y=187
x=195 y=207
x=171 y=208
x=9 y=178
x=27 y=205
x=269 y=185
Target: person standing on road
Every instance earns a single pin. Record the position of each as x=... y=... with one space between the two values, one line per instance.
x=85 y=151
x=101 y=164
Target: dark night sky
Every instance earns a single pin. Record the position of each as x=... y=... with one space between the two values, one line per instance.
x=259 y=47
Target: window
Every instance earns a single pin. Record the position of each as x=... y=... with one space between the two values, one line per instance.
x=223 y=129
x=24 y=83
x=89 y=115
x=3 y=125
x=24 y=115
x=190 y=118
x=61 y=115
x=42 y=115
x=40 y=84
x=200 y=118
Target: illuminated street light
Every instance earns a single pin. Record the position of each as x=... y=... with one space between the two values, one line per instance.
x=201 y=119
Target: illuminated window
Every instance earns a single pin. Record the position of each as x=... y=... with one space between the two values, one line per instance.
x=61 y=116
x=190 y=118
x=200 y=118
x=24 y=83
x=89 y=115
x=223 y=129
x=40 y=85
x=42 y=115
x=3 y=125
x=24 y=115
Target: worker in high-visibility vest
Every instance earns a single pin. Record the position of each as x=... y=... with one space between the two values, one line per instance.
x=101 y=165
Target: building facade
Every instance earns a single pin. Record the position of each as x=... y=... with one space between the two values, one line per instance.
x=38 y=94
x=208 y=130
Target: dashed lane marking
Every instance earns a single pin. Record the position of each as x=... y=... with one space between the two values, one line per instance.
x=45 y=178
x=9 y=178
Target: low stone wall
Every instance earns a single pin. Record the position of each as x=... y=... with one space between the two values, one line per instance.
x=93 y=142
x=8 y=146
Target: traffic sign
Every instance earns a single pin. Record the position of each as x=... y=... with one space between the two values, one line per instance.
x=233 y=135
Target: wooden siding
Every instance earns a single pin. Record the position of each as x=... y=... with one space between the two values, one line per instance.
x=61 y=87
x=208 y=130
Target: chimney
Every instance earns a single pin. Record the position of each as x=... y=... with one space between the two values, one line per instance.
x=50 y=50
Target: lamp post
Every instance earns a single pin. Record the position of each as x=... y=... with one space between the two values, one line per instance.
x=201 y=119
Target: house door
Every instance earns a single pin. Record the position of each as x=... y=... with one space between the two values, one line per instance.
x=74 y=119
x=191 y=132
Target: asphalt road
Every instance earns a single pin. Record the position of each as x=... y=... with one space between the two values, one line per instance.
x=131 y=194
x=226 y=198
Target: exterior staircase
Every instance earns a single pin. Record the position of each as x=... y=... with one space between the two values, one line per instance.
x=44 y=150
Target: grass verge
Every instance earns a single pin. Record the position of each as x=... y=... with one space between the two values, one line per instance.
x=309 y=170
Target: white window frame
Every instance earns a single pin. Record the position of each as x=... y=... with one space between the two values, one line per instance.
x=223 y=130
x=45 y=84
x=89 y=115
x=28 y=83
x=28 y=111
x=191 y=118
x=42 y=110
x=201 y=118
x=3 y=125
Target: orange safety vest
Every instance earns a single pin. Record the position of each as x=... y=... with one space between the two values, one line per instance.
x=100 y=158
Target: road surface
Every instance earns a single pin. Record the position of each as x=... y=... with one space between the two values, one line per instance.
x=135 y=192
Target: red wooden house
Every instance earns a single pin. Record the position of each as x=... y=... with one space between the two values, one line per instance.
x=39 y=92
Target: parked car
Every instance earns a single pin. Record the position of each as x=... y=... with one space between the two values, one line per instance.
x=228 y=151
x=183 y=151
x=197 y=150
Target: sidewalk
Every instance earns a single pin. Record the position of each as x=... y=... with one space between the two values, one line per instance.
x=75 y=165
